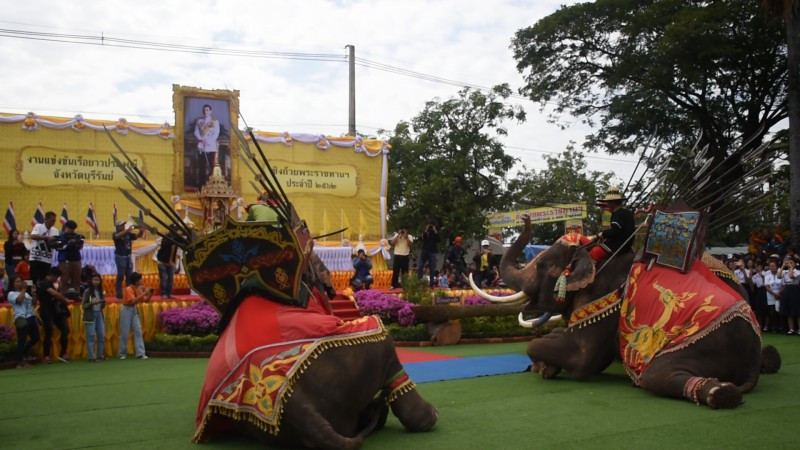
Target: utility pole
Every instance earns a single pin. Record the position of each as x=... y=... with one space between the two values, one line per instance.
x=351 y=123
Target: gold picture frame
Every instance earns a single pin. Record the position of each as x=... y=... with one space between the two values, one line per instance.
x=184 y=157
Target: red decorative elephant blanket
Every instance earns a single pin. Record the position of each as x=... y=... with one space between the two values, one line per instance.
x=260 y=356
x=664 y=310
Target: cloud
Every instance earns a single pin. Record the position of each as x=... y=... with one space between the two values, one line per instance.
x=460 y=40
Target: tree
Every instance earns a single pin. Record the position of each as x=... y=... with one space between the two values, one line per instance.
x=715 y=67
x=565 y=180
x=789 y=11
x=449 y=165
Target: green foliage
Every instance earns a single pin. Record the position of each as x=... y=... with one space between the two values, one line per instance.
x=448 y=163
x=565 y=180
x=182 y=343
x=716 y=66
x=416 y=290
x=413 y=333
x=8 y=351
x=498 y=326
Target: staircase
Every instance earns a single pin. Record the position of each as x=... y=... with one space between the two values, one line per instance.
x=344 y=308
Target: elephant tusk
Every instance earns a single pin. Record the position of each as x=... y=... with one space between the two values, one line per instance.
x=494 y=298
x=530 y=322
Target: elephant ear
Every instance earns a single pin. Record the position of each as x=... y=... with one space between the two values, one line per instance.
x=582 y=271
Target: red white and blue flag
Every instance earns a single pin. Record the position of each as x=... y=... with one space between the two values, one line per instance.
x=91 y=220
x=10 y=222
x=38 y=216
x=64 y=216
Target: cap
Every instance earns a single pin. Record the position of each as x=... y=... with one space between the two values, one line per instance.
x=484 y=243
x=612 y=194
x=457 y=240
x=120 y=223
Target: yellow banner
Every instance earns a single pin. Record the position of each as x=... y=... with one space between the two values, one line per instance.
x=338 y=180
x=556 y=213
x=45 y=167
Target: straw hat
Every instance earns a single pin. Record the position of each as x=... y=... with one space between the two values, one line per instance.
x=612 y=194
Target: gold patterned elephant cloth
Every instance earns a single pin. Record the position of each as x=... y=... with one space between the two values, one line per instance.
x=260 y=356
x=664 y=311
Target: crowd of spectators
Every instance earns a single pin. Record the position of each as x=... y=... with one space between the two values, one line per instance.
x=772 y=284
x=33 y=284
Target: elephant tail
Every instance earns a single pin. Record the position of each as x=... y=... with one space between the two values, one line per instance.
x=770 y=359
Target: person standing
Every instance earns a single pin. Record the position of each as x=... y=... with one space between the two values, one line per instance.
x=44 y=237
x=24 y=319
x=14 y=250
x=167 y=257
x=206 y=130
x=790 y=296
x=617 y=236
x=123 y=248
x=69 y=257
x=54 y=310
x=455 y=258
x=402 y=251
x=484 y=263
x=774 y=285
x=759 y=300
x=93 y=303
x=135 y=293
x=430 y=239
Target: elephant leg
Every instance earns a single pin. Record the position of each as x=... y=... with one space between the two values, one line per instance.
x=581 y=353
x=700 y=390
x=414 y=412
x=302 y=420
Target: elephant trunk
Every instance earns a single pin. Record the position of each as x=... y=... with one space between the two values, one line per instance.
x=513 y=276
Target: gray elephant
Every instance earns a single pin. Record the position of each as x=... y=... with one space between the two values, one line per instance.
x=714 y=366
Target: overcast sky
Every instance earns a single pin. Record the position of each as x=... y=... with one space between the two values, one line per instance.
x=461 y=40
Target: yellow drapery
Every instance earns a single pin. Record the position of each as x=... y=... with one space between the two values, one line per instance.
x=76 y=346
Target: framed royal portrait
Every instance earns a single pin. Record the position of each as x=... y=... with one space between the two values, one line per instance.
x=204 y=136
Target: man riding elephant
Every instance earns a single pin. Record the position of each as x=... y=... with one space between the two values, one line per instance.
x=616 y=234
x=681 y=331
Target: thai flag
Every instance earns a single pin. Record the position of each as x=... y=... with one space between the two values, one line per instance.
x=141 y=218
x=38 y=216
x=91 y=220
x=11 y=221
x=64 y=216
x=114 y=216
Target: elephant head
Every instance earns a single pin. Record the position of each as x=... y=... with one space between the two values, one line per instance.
x=564 y=267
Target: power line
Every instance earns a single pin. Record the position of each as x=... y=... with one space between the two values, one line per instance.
x=103 y=40
x=552 y=152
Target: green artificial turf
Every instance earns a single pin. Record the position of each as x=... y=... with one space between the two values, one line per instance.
x=151 y=404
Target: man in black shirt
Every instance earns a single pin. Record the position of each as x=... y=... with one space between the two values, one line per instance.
x=53 y=310
x=617 y=237
x=430 y=238
x=69 y=257
x=122 y=253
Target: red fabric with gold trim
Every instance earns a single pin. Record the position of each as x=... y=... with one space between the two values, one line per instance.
x=574 y=239
x=260 y=356
x=664 y=310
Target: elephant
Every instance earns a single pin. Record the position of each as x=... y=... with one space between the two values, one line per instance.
x=333 y=398
x=715 y=370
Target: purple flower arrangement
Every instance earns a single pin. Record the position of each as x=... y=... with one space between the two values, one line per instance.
x=199 y=319
x=7 y=334
x=387 y=307
x=475 y=300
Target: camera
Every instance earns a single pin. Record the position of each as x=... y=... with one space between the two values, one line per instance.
x=62 y=242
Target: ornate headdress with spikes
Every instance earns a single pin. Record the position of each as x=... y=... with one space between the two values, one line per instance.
x=269 y=254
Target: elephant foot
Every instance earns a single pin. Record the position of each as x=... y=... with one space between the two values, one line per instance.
x=724 y=395
x=545 y=370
